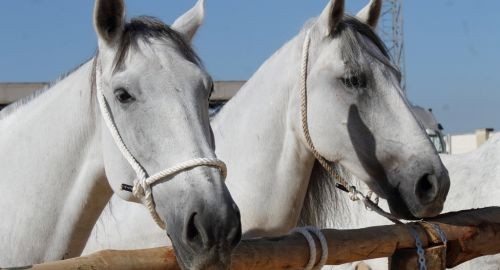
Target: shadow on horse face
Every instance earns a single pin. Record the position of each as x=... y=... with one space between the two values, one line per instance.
x=414 y=188
x=377 y=139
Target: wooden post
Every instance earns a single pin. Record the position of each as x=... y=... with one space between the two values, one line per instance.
x=470 y=234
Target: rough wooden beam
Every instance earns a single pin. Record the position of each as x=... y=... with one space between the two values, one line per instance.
x=403 y=259
x=471 y=234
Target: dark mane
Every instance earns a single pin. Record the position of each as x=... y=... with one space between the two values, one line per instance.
x=351 y=31
x=353 y=24
x=145 y=28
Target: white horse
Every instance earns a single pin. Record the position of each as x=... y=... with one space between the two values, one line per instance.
x=355 y=106
x=475 y=183
x=475 y=179
x=143 y=100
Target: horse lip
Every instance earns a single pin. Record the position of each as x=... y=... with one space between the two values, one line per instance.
x=399 y=208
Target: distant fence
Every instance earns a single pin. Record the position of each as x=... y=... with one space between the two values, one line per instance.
x=470 y=234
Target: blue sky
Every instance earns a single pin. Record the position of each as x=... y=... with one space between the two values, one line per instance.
x=452 y=47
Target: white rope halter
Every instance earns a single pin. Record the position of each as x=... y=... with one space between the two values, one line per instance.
x=142 y=185
x=341 y=183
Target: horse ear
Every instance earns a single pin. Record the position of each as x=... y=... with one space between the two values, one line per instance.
x=331 y=16
x=190 y=22
x=109 y=19
x=371 y=13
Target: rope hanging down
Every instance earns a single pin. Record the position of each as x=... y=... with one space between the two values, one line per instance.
x=142 y=185
x=341 y=183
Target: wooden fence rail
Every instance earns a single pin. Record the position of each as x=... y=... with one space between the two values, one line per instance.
x=470 y=234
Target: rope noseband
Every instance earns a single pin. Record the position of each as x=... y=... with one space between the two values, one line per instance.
x=142 y=188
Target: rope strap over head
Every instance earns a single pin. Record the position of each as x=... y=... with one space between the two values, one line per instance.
x=341 y=183
x=142 y=185
x=307 y=233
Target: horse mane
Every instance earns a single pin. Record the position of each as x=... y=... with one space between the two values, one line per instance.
x=351 y=32
x=142 y=28
x=9 y=109
x=323 y=199
x=146 y=28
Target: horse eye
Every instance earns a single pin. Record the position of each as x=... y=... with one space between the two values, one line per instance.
x=357 y=82
x=123 y=96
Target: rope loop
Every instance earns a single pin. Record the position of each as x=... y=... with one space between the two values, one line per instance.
x=307 y=232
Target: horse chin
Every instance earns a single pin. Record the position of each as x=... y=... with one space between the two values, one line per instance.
x=402 y=210
x=210 y=260
x=199 y=264
x=408 y=207
x=399 y=208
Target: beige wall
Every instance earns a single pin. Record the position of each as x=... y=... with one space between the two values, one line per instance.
x=10 y=92
x=464 y=143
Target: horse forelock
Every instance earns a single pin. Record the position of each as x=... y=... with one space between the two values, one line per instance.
x=146 y=29
x=355 y=37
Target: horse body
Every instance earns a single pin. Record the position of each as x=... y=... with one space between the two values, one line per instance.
x=258 y=124
x=351 y=115
x=138 y=107
x=55 y=168
x=475 y=179
x=474 y=183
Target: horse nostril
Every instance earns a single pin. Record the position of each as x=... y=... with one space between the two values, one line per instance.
x=234 y=235
x=193 y=233
x=237 y=210
x=426 y=188
x=425 y=185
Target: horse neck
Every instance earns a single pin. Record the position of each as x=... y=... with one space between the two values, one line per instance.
x=255 y=134
x=54 y=173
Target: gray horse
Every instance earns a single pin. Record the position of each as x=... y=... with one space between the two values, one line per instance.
x=139 y=106
x=357 y=116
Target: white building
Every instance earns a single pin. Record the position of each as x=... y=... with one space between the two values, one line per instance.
x=464 y=143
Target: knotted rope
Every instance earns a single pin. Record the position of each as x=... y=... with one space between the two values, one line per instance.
x=142 y=185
